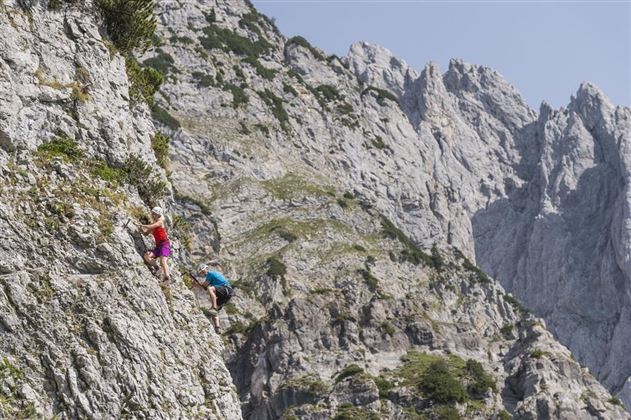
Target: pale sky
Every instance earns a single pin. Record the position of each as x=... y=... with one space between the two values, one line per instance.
x=544 y=48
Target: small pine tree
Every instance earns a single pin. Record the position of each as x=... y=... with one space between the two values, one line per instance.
x=130 y=23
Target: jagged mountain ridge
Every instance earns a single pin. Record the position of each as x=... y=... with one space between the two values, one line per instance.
x=252 y=204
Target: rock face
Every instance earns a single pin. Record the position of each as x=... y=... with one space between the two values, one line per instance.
x=347 y=197
x=86 y=332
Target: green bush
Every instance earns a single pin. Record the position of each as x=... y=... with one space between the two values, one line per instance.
x=227 y=40
x=239 y=96
x=163 y=116
x=261 y=70
x=503 y=415
x=513 y=302
x=615 y=401
x=203 y=79
x=276 y=268
x=62 y=146
x=328 y=93
x=140 y=174
x=480 y=275
x=289 y=89
x=129 y=23
x=160 y=146
x=350 y=370
x=371 y=281
x=276 y=104
x=383 y=385
x=479 y=381
x=182 y=230
x=437 y=260
x=108 y=173
x=382 y=95
x=507 y=331
x=411 y=252
x=342 y=203
x=441 y=385
x=298 y=40
x=56 y=4
x=537 y=354
x=144 y=81
x=446 y=413
x=162 y=62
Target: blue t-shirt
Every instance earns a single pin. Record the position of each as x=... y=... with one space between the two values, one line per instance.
x=215 y=279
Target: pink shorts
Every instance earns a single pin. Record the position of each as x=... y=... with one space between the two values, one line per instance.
x=163 y=249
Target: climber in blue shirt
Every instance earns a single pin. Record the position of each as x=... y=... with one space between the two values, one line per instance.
x=219 y=288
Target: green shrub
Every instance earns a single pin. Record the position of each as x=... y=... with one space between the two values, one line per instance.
x=144 y=81
x=388 y=328
x=328 y=93
x=507 y=331
x=276 y=268
x=615 y=401
x=286 y=235
x=276 y=104
x=503 y=415
x=227 y=40
x=289 y=89
x=349 y=196
x=479 y=381
x=262 y=128
x=537 y=354
x=160 y=146
x=383 y=385
x=350 y=370
x=345 y=108
x=56 y=4
x=342 y=203
x=513 y=302
x=480 y=275
x=382 y=95
x=378 y=143
x=129 y=23
x=371 y=281
x=162 y=62
x=211 y=17
x=61 y=146
x=298 y=40
x=239 y=96
x=261 y=70
x=411 y=252
x=441 y=385
x=140 y=174
x=183 y=231
x=163 y=116
x=437 y=260
x=203 y=79
x=108 y=173
x=359 y=248
x=444 y=412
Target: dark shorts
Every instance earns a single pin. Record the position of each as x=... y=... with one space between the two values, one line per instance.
x=163 y=249
x=224 y=294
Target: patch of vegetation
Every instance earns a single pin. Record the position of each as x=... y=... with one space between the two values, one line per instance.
x=371 y=281
x=144 y=81
x=203 y=207
x=140 y=174
x=56 y=4
x=292 y=185
x=504 y=415
x=388 y=328
x=8 y=370
x=384 y=386
x=537 y=354
x=261 y=70
x=513 y=302
x=61 y=146
x=289 y=89
x=328 y=93
x=203 y=79
x=437 y=260
x=162 y=62
x=342 y=203
x=382 y=95
x=160 y=146
x=480 y=275
x=239 y=97
x=262 y=128
x=359 y=248
x=507 y=331
x=276 y=268
x=183 y=231
x=163 y=116
x=276 y=104
x=321 y=291
x=230 y=41
x=347 y=411
x=441 y=385
x=130 y=24
x=615 y=401
x=445 y=412
x=479 y=382
x=287 y=235
x=378 y=143
x=411 y=252
x=309 y=383
x=348 y=371
x=301 y=41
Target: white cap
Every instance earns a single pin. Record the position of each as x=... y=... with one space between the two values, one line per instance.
x=202 y=267
x=157 y=210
